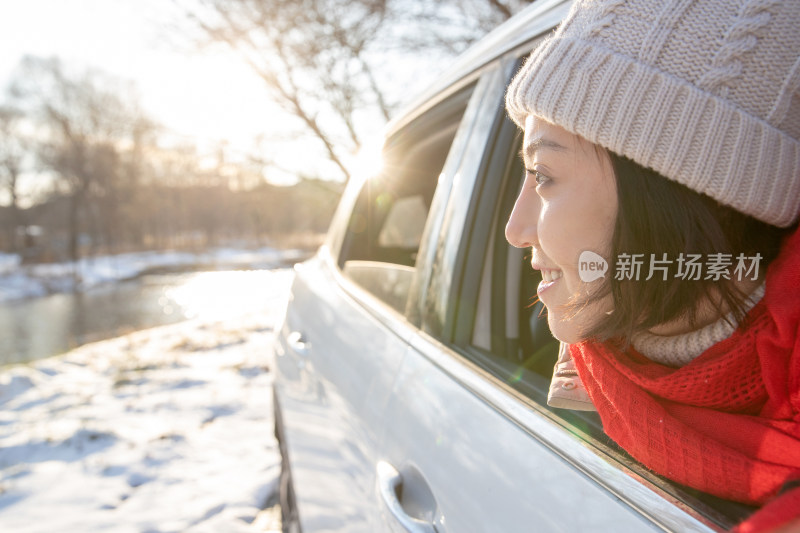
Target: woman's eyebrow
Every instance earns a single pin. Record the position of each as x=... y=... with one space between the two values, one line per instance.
x=529 y=150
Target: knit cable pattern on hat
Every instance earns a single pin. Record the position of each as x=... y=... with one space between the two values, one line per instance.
x=704 y=92
x=740 y=39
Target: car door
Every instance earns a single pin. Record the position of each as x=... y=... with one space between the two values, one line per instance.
x=471 y=445
x=346 y=330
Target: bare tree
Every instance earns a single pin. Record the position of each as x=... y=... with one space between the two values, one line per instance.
x=84 y=121
x=310 y=54
x=12 y=155
x=446 y=27
x=326 y=61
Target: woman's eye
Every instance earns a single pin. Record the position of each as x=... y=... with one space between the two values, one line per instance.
x=540 y=178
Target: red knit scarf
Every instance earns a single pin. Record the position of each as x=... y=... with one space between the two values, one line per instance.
x=728 y=423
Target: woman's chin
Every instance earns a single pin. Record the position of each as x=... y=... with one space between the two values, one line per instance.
x=563 y=330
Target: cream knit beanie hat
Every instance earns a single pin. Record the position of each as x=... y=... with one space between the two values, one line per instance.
x=705 y=92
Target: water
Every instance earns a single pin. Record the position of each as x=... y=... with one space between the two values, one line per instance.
x=41 y=327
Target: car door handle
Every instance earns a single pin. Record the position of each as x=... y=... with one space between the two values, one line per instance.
x=389 y=481
x=297 y=342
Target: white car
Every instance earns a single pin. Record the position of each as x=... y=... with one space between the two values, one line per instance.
x=412 y=369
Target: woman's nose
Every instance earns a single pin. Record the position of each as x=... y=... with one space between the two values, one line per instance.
x=521 y=229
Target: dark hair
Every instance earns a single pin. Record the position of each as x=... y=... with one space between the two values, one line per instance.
x=657 y=216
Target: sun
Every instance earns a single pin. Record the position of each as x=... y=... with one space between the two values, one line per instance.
x=369 y=160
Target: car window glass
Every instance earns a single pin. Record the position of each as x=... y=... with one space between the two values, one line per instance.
x=509 y=325
x=433 y=299
x=382 y=238
x=404 y=223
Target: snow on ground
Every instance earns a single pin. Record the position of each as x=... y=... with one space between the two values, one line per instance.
x=168 y=429
x=26 y=281
x=8 y=262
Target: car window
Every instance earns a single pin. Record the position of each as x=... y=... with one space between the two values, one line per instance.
x=404 y=223
x=432 y=298
x=382 y=239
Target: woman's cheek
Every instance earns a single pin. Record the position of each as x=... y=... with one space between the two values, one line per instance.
x=556 y=233
x=549 y=233
x=565 y=235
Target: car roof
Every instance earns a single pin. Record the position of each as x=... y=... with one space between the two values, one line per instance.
x=533 y=21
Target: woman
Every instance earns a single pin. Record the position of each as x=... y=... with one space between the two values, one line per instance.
x=661 y=140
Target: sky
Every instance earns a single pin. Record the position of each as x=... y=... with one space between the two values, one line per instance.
x=206 y=96
x=200 y=97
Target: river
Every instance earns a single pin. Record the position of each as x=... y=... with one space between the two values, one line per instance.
x=45 y=326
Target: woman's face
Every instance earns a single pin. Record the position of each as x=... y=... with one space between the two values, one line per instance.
x=568 y=205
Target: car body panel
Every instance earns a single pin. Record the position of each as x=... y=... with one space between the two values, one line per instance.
x=486 y=473
x=332 y=390
x=527 y=450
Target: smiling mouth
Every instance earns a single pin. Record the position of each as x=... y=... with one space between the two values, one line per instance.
x=549 y=278
x=551 y=275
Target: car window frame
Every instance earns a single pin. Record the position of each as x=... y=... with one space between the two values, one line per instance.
x=439 y=258
x=330 y=253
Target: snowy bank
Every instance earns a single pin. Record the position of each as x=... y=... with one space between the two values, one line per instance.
x=168 y=429
x=27 y=281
